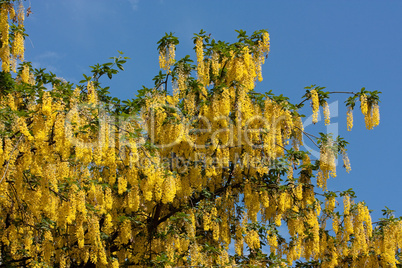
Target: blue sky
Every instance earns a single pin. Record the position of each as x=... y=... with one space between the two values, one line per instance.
x=342 y=45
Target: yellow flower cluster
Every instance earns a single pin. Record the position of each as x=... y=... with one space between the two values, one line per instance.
x=252 y=239
x=315 y=105
x=9 y=55
x=272 y=241
x=263 y=49
x=372 y=117
x=202 y=67
x=265 y=42
x=215 y=65
x=18 y=46
x=20 y=13
x=23 y=128
x=327 y=164
x=371 y=112
x=25 y=74
x=346 y=162
x=363 y=104
x=11 y=102
x=326 y=112
x=4 y=31
x=92 y=94
x=179 y=87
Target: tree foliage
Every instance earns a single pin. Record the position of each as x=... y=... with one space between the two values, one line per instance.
x=191 y=167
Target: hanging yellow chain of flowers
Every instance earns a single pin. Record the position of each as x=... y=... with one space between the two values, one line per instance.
x=11 y=51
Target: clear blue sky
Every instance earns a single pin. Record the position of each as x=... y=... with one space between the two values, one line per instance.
x=343 y=45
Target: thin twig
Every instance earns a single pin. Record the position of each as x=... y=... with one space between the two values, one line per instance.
x=302 y=102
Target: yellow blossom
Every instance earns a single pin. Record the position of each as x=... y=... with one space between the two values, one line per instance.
x=315 y=105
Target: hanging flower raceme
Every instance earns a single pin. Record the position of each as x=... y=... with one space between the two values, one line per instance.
x=25 y=74
x=201 y=68
x=4 y=30
x=315 y=104
x=24 y=129
x=265 y=42
x=363 y=104
x=18 y=46
x=372 y=117
x=326 y=112
x=92 y=94
x=349 y=118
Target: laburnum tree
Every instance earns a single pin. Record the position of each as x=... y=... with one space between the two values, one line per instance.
x=198 y=170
